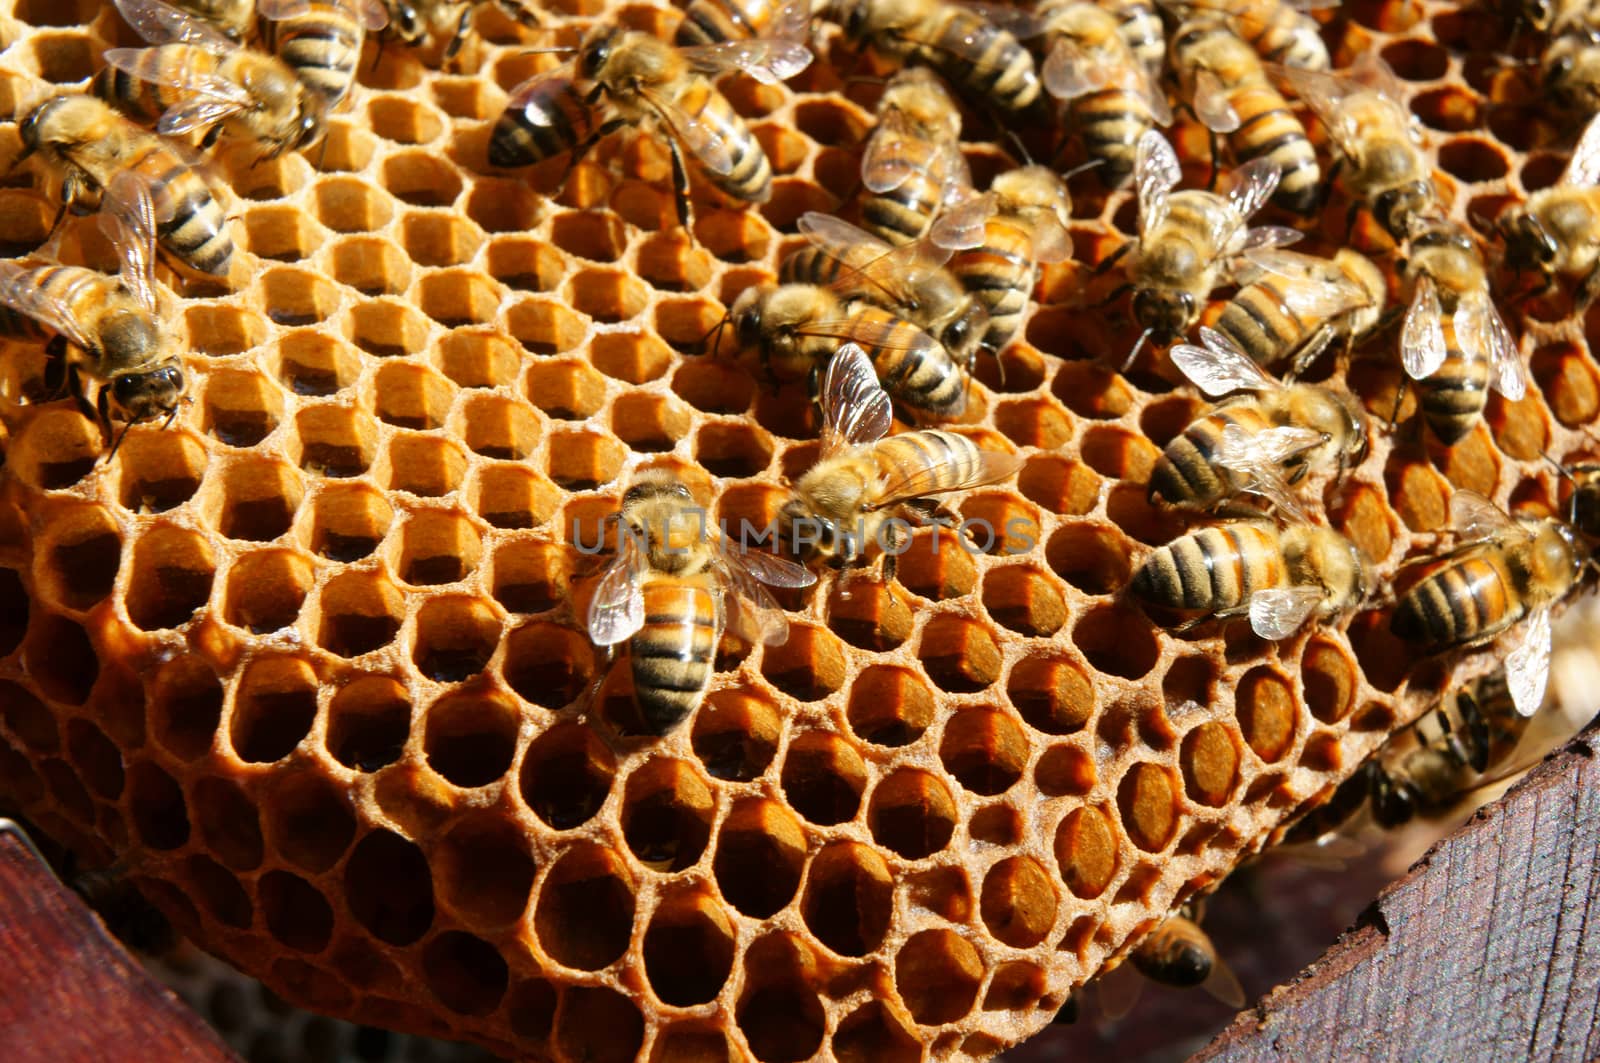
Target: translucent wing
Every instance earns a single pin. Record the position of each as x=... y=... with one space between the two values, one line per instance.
x=883 y=335
x=1371 y=70
x=1583 y=170
x=770 y=569
x=184 y=67
x=1155 y=174
x=883 y=165
x=792 y=22
x=1477 y=317
x=1278 y=612
x=867 y=264
x=128 y=218
x=1260 y=458
x=1314 y=292
x=1422 y=349
x=1267 y=237
x=768 y=61
x=855 y=408
x=1211 y=104
x=1326 y=94
x=29 y=300
x=369 y=13
x=964 y=224
x=1528 y=664
x=752 y=613
x=1020 y=24
x=989 y=466
x=185 y=117
x=1223 y=983
x=702 y=139
x=616 y=612
x=1070 y=72
x=1253 y=184
x=160 y=23
x=1148 y=85
x=1051 y=240
x=1220 y=366
x=1476 y=518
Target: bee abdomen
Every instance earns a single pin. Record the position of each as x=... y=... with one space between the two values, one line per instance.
x=1454 y=397
x=554 y=120
x=1270 y=130
x=955 y=457
x=1187 y=475
x=1468 y=601
x=1213 y=570
x=190 y=222
x=1003 y=73
x=1000 y=275
x=750 y=178
x=323 y=50
x=1111 y=123
x=672 y=655
x=1258 y=322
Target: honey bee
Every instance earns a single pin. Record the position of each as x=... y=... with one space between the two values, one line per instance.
x=1114 y=99
x=1178 y=953
x=196 y=78
x=1260 y=442
x=648 y=81
x=113 y=322
x=88 y=145
x=1279 y=578
x=413 y=22
x=715 y=21
x=960 y=42
x=852 y=498
x=320 y=40
x=912 y=167
x=1140 y=25
x=1227 y=86
x=673 y=588
x=1569 y=69
x=1280 y=31
x=1504 y=572
x=797 y=327
x=1293 y=306
x=910 y=280
x=1028 y=225
x=1189 y=240
x=1380 y=150
x=1454 y=341
x=236 y=18
x=1556 y=16
x=1558 y=229
x=1584 y=514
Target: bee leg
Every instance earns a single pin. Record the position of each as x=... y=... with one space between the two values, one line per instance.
x=1216 y=151
x=1399 y=398
x=680 y=188
x=605 y=130
x=459 y=38
x=209 y=141
x=1105 y=264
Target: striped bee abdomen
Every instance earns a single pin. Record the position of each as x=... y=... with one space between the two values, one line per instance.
x=984 y=59
x=547 y=119
x=322 y=44
x=1213 y=570
x=1453 y=398
x=750 y=179
x=1187 y=474
x=672 y=656
x=1000 y=275
x=1469 y=600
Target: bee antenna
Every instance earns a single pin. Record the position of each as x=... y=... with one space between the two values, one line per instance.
x=716 y=331
x=1138 y=345
x=117 y=443
x=1016 y=142
x=566 y=49
x=1080 y=168
x=1562 y=471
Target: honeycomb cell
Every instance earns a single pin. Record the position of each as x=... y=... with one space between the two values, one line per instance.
x=1059 y=485
x=265 y=590
x=425 y=466
x=1362 y=516
x=599 y=1024
x=156 y=805
x=370 y=265
x=732 y=450
x=823 y=778
x=781 y=1017
x=56 y=450
x=1033 y=423
x=984 y=750
x=159 y=472
x=912 y=813
x=273 y=708
x=513 y=496
x=309 y=821
x=258 y=500
x=369 y=720
x=351 y=205
x=314 y=365
x=1118 y=454
x=713 y=386
x=1065 y=770
x=547 y=664
x=1472 y=160
x=869 y=615
x=1329 y=678
x=1210 y=762
x=387 y=330
x=583 y=460
x=171 y=575
x=1568 y=381
x=1267 y=713
x=1052 y=695
x=14 y=609
x=688 y=949
x=219 y=892
x=26 y=718
x=420 y=179
x=60 y=659
x=434 y=239
x=566 y=775
x=667 y=810
x=1093 y=391
x=1086 y=852
x=760 y=851
x=282 y=234
x=438 y=546
x=240 y=408
x=735 y=735
x=1093 y=558
x=849 y=898
x=297 y=297
x=95 y=758
x=229 y=825
x=872 y=1034
x=484 y=871
x=583 y=916
x=1117 y=640
x=389 y=888
x=465 y=972
x=937 y=974
x=937 y=565
x=334 y=441
x=669 y=263
x=223 y=330
x=807 y=667
x=359 y=612
x=72 y=800
x=649 y=423
x=469 y=738
x=1018 y=902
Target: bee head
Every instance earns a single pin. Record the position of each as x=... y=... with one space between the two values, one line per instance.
x=746 y=317
x=1393 y=803
x=1165 y=312
x=1528 y=244
x=405 y=21
x=1175 y=962
x=147 y=394
x=961 y=334
x=597 y=52
x=128 y=339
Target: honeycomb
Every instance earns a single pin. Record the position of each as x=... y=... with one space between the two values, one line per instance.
x=308 y=663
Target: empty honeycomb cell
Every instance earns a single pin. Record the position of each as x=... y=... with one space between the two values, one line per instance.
x=297 y=915
x=688 y=949
x=1450 y=110
x=427 y=467
x=95 y=758
x=1417 y=60
x=261 y=179
x=258 y=500
x=335 y=441
x=478 y=359
x=313 y=364
x=937 y=565
x=1472 y=160
x=218 y=892
x=607 y=295
x=566 y=775
x=1210 y=761
x=369 y=719
x=438 y=547
x=1329 y=678
x=371 y=265
x=526 y=264
x=241 y=408
x=732 y=450
x=71 y=799
x=583 y=915
x=1118 y=454
x=159 y=471
x=733 y=236
x=1033 y=423
x=309 y=821
x=912 y=813
x=530 y=577
x=599 y=236
x=351 y=205
x=360 y=612
x=984 y=750
x=75 y=564
x=503 y=206
x=807 y=667
x=344 y=148
x=389 y=888
x=296 y=297
x=1065 y=770
x=781 y=1017
x=669 y=262
x=545 y=327
x=284 y=234
x=1093 y=558
x=686 y=324
x=1117 y=640
x=60 y=658
x=513 y=497
x=155 y=803
x=1569 y=382
x=14 y=609
x=633 y=357
x=666 y=815
x=735 y=735
x=531 y=1008
x=26 y=718
x=171 y=574
x=485 y=872
x=348 y=521
x=568 y=390
x=546 y=664
x=823 y=778
x=937 y=974
x=412 y=396
x=1086 y=851
x=421 y=179
x=273 y=708
x=999 y=524
x=713 y=385
x=470 y=738
x=849 y=898
x=1018 y=902
x=1267 y=713
x=387 y=329
x=223 y=330
x=869 y=615
x=434 y=239
x=649 y=423
x=266 y=589
x=185 y=707
x=598 y=1024
x=56 y=449
x=1059 y=485
x=760 y=850
x=1092 y=390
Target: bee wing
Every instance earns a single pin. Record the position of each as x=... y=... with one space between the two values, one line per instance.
x=616 y=612
x=1260 y=457
x=1020 y=24
x=963 y=225
x=160 y=23
x=1211 y=104
x=867 y=263
x=1051 y=240
x=1155 y=174
x=1277 y=612
x=1422 y=349
x=701 y=138
x=768 y=61
x=1315 y=293
x=1070 y=72
x=369 y=13
x=1583 y=170
x=991 y=465
x=752 y=613
x=28 y=299
x=882 y=335
x=1253 y=184
x=1220 y=366
x=1223 y=984
x=128 y=218
x=1475 y=518
x=187 y=69
x=792 y=21
x=855 y=408
x=1478 y=319
x=1370 y=70
x=1528 y=664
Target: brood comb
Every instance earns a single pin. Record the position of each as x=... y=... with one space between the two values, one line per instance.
x=309 y=660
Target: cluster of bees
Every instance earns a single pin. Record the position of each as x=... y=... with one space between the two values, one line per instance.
x=894 y=312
